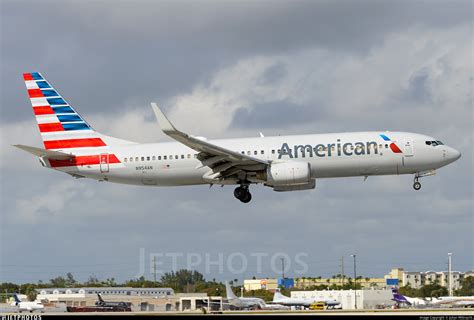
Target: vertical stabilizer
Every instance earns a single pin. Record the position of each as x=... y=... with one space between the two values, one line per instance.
x=229 y=292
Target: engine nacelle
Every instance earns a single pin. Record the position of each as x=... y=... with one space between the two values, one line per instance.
x=289 y=173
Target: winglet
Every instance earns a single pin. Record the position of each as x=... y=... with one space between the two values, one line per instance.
x=163 y=121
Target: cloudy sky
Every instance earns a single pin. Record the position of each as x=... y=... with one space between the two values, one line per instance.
x=232 y=69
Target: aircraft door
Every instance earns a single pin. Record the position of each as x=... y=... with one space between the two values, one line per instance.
x=104 y=162
x=408 y=148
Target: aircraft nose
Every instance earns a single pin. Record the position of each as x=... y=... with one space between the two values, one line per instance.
x=454 y=154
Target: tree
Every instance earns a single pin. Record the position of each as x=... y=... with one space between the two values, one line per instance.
x=182 y=280
x=31 y=293
x=70 y=281
x=58 y=282
x=467 y=287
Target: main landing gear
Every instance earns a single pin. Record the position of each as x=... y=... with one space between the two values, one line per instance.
x=242 y=193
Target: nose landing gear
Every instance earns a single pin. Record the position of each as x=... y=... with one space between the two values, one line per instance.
x=418 y=175
x=416 y=184
x=242 y=193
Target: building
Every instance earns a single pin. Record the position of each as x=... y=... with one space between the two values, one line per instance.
x=261 y=284
x=366 y=299
x=417 y=279
x=268 y=284
x=306 y=282
x=142 y=299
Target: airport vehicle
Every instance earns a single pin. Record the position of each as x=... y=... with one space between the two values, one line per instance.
x=243 y=302
x=27 y=305
x=305 y=302
x=284 y=163
x=317 y=306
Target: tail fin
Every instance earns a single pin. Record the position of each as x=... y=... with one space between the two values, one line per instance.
x=278 y=296
x=61 y=127
x=399 y=297
x=229 y=292
x=17 y=299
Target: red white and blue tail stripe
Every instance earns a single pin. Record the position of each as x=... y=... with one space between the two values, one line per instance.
x=62 y=128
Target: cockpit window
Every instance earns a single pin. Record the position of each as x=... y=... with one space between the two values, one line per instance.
x=434 y=143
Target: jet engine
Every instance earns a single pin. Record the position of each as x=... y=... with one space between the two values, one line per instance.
x=288 y=176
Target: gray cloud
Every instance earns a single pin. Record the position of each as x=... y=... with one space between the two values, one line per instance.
x=283 y=67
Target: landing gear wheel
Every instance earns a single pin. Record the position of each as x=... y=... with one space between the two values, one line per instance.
x=239 y=192
x=246 y=197
x=417 y=185
x=243 y=194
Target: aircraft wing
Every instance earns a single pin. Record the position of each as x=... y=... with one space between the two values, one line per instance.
x=223 y=162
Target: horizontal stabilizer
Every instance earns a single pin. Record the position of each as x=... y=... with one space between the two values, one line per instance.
x=43 y=153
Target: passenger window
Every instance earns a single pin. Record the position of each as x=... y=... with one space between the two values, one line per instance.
x=131 y=159
x=255 y=152
x=182 y=156
x=165 y=157
x=159 y=157
x=125 y=160
x=380 y=146
x=148 y=158
x=171 y=157
x=176 y=157
x=143 y=158
x=189 y=156
x=242 y=152
x=195 y=155
x=262 y=152
x=248 y=152
x=273 y=151
x=153 y=158
x=386 y=145
x=137 y=159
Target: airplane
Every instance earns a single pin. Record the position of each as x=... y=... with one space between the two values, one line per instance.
x=455 y=301
x=26 y=305
x=305 y=302
x=408 y=301
x=111 y=304
x=283 y=163
x=243 y=302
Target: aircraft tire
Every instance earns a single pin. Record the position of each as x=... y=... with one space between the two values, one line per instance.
x=247 y=196
x=239 y=192
x=417 y=185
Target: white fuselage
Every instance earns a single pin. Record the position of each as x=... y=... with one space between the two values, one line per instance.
x=29 y=306
x=247 y=303
x=329 y=155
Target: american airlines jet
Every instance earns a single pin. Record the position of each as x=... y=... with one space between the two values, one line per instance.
x=284 y=163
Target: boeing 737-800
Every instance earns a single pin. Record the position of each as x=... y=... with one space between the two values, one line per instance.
x=284 y=163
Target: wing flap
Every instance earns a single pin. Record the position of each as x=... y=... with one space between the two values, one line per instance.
x=43 y=153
